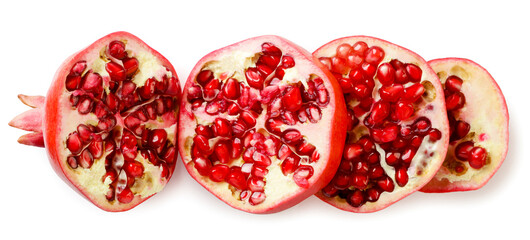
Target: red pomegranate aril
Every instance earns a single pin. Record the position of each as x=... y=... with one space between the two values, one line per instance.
x=302 y=174
x=74 y=143
x=170 y=155
x=117 y=49
x=222 y=152
x=270 y=49
x=147 y=91
x=413 y=92
x=477 y=157
x=386 y=74
x=270 y=61
x=386 y=184
x=72 y=162
x=414 y=72
x=305 y=148
x=231 y=89
x=360 y=48
x=313 y=113
x=387 y=134
x=96 y=147
x=422 y=125
x=204 y=130
x=415 y=141
x=204 y=77
x=352 y=151
x=290 y=164
x=256 y=184
x=85 y=160
x=249 y=117
x=133 y=168
x=116 y=71
x=221 y=128
x=455 y=101
x=259 y=171
x=254 y=78
x=380 y=111
x=164 y=170
x=407 y=156
x=85 y=105
x=341 y=181
x=261 y=159
x=330 y=191
x=322 y=95
x=401 y=75
x=202 y=143
x=203 y=165
x=391 y=93
x=404 y=110
x=461 y=129
x=376 y=172
x=359 y=181
x=339 y=65
x=257 y=198
x=287 y=61
x=292 y=99
x=356 y=75
x=374 y=55
x=402 y=177
x=373 y=194
x=291 y=137
x=72 y=82
x=84 y=133
x=373 y=157
x=369 y=71
x=356 y=198
x=453 y=83
x=344 y=50
x=392 y=158
x=125 y=196
x=237 y=179
x=434 y=135
x=219 y=172
x=463 y=150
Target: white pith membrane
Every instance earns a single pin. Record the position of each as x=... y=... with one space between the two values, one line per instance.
x=91 y=180
x=485 y=110
x=231 y=62
x=429 y=156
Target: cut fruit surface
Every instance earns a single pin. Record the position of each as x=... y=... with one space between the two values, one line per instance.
x=478 y=118
x=109 y=121
x=258 y=124
x=397 y=127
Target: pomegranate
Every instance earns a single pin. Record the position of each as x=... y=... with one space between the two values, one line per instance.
x=258 y=126
x=397 y=129
x=478 y=119
x=109 y=121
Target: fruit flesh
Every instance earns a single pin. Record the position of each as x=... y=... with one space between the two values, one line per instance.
x=84 y=126
x=388 y=166
x=488 y=127
x=266 y=111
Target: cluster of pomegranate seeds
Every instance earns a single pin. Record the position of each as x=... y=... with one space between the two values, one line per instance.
x=251 y=127
x=119 y=99
x=383 y=118
x=465 y=150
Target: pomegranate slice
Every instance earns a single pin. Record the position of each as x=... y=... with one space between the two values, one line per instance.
x=394 y=101
x=479 y=126
x=109 y=121
x=273 y=115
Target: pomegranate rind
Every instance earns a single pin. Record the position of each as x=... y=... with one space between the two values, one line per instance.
x=438 y=117
x=330 y=152
x=53 y=121
x=487 y=112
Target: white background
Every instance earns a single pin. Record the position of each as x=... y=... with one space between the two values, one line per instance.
x=35 y=37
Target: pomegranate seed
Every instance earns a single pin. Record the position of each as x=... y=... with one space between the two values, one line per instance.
x=402 y=178
x=361 y=167
x=164 y=170
x=352 y=151
x=326 y=62
x=148 y=89
x=249 y=117
x=204 y=130
x=259 y=171
x=85 y=133
x=219 y=172
x=261 y=159
x=392 y=158
x=72 y=82
x=386 y=74
x=453 y=83
x=270 y=49
x=407 y=156
x=302 y=174
x=74 y=143
x=373 y=194
x=236 y=149
x=374 y=55
x=305 y=148
x=422 y=125
x=96 y=147
x=380 y=111
x=254 y=78
x=194 y=92
x=313 y=113
x=386 y=184
x=322 y=95
x=117 y=49
x=256 y=184
x=85 y=105
x=202 y=143
x=376 y=172
x=237 y=179
x=257 y=198
x=291 y=137
x=329 y=191
x=387 y=134
x=231 y=89
x=463 y=150
x=290 y=164
x=203 y=165
x=369 y=71
x=292 y=99
x=356 y=198
x=116 y=71
x=461 y=130
x=130 y=65
x=170 y=155
x=222 y=152
x=359 y=181
x=85 y=159
x=360 y=48
x=414 y=72
x=346 y=167
x=354 y=61
x=339 y=65
x=287 y=62
x=373 y=157
x=404 y=110
x=477 y=158
x=415 y=141
x=434 y=135
x=455 y=101
x=270 y=61
x=125 y=196
x=413 y=92
x=233 y=109
x=211 y=89
x=344 y=50
x=133 y=168
x=72 y=162
x=401 y=75
x=341 y=181
x=391 y=93
x=157 y=138
x=221 y=128
x=204 y=77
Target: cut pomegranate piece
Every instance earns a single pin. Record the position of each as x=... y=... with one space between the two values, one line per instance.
x=278 y=134
x=385 y=156
x=479 y=124
x=111 y=114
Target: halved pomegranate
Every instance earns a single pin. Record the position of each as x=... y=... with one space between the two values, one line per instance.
x=109 y=121
x=397 y=126
x=261 y=124
x=478 y=118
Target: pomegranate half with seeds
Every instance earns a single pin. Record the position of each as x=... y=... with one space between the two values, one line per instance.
x=478 y=119
x=109 y=121
x=397 y=124
x=261 y=124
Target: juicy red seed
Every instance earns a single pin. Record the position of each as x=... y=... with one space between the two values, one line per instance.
x=374 y=55
x=344 y=50
x=72 y=162
x=270 y=61
x=386 y=74
x=288 y=118
x=380 y=111
x=116 y=71
x=356 y=198
x=413 y=92
x=339 y=66
x=211 y=89
x=404 y=110
x=290 y=164
x=326 y=62
x=453 y=83
x=407 y=156
x=356 y=75
x=415 y=141
x=233 y=109
x=422 y=125
x=133 y=168
x=254 y=78
x=477 y=158
x=302 y=174
x=85 y=132
x=369 y=71
x=270 y=49
x=221 y=128
x=256 y=184
x=291 y=136
x=455 y=101
x=148 y=89
x=373 y=194
x=219 y=172
x=222 y=152
x=341 y=181
x=292 y=99
x=347 y=84
x=231 y=89
x=434 y=134
x=74 y=143
x=373 y=157
x=386 y=184
x=203 y=165
x=322 y=95
x=330 y=191
x=130 y=65
x=273 y=125
x=125 y=196
x=462 y=129
x=402 y=178
x=236 y=149
x=360 y=48
x=261 y=159
x=352 y=151
x=414 y=72
x=313 y=112
x=305 y=148
x=387 y=134
x=392 y=158
x=157 y=138
x=117 y=49
x=283 y=152
x=215 y=107
x=257 y=198
x=401 y=75
x=96 y=147
x=359 y=181
x=164 y=170
x=361 y=167
x=85 y=159
x=249 y=117
x=376 y=172
x=204 y=130
x=237 y=179
x=132 y=122
x=72 y=82
x=391 y=93
x=204 y=77
x=463 y=150
x=202 y=143
x=194 y=92
x=170 y=155
x=259 y=171
x=287 y=62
